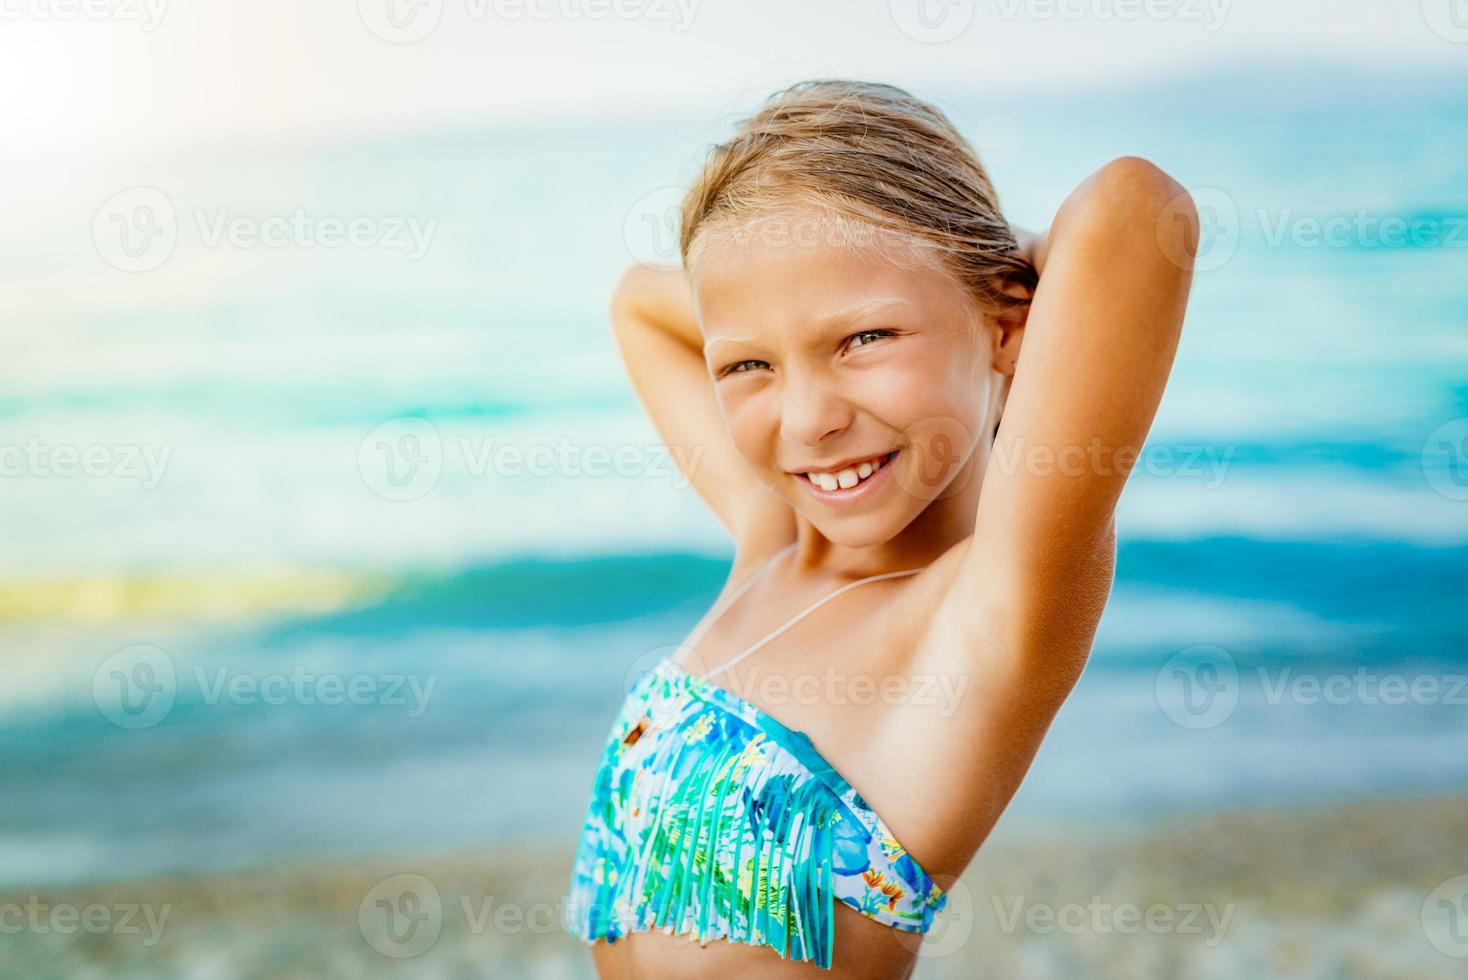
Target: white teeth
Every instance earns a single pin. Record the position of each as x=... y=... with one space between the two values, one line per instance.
x=847 y=478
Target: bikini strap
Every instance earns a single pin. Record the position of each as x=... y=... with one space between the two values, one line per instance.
x=719 y=608
x=806 y=612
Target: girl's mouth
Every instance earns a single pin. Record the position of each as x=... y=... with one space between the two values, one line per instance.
x=850 y=483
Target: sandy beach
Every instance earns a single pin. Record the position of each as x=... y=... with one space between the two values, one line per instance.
x=1325 y=892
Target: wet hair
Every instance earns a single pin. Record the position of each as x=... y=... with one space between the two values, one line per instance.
x=871 y=156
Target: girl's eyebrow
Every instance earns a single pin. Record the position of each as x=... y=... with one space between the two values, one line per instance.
x=847 y=314
x=856 y=311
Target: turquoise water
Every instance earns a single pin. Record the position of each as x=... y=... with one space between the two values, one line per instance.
x=1308 y=519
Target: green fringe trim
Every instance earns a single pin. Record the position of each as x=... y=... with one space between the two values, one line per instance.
x=779 y=840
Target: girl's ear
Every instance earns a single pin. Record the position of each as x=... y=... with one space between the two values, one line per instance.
x=1010 y=332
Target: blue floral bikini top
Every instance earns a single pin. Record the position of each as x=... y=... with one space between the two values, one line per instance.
x=710 y=818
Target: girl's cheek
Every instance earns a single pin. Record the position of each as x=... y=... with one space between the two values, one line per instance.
x=749 y=431
x=896 y=384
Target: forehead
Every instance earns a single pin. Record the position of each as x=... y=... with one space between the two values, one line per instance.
x=796 y=268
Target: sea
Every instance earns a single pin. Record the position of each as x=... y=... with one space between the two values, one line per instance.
x=332 y=526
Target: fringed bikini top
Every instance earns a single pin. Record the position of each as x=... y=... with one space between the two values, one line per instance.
x=710 y=818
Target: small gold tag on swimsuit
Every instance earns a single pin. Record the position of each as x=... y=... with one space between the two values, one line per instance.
x=635 y=732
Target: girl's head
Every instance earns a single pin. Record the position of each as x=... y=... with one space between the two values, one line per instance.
x=860 y=296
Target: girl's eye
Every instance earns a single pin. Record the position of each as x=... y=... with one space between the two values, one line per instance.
x=739 y=366
x=855 y=340
x=868 y=333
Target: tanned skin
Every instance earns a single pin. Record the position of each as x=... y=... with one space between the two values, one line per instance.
x=772 y=359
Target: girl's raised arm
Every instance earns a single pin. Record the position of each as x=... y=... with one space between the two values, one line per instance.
x=1097 y=347
x=657 y=332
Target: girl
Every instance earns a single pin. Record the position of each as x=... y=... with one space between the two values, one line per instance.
x=924 y=534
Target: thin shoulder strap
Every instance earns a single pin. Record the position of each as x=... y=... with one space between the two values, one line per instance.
x=720 y=608
x=806 y=612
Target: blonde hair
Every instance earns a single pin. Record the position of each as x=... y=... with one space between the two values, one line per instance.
x=870 y=154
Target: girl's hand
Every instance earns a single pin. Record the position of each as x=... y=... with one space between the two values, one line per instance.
x=1035 y=246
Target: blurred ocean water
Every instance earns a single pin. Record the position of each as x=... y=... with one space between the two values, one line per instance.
x=1301 y=511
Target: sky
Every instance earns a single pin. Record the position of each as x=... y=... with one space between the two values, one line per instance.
x=92 y=75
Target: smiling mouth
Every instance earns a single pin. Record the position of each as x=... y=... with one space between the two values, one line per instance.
x=847 y=477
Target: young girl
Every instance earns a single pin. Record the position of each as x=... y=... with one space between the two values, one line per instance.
x=923 y=529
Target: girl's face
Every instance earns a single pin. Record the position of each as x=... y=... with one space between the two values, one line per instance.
x=860 y=389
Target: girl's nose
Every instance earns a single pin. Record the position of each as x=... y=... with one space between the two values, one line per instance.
x=812 y=410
